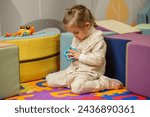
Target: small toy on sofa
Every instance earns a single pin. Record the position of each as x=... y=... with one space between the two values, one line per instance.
x=68 y=56
x=23 y=31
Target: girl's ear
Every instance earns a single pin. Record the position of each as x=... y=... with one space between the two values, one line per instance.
x=87 y=25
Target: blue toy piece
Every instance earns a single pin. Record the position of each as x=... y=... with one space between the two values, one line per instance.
x=66 y=54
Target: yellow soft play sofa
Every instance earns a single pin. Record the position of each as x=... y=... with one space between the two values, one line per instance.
x=38 y=54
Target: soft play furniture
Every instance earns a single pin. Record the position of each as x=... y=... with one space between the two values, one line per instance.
x=105 y=32
x=116 y=54
x=117 y=27
x=138 y=66
x=145 y=28
x=9 y=70
x=38 y=55
x=65 y=43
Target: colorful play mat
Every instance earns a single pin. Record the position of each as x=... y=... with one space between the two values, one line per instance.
x=38 y=90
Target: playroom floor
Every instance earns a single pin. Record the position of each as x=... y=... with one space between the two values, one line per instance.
x=38 y=90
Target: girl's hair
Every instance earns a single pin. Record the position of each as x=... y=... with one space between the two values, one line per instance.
x=78 y=15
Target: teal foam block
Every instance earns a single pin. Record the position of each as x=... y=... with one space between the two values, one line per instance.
x=9 y=71
x=65 y=43
x=36 y=35
x=108 y=33
x=145 y=28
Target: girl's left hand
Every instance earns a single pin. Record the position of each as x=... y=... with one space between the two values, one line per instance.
x=75 y=54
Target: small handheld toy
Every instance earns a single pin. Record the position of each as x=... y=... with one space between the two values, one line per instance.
x=67 y=56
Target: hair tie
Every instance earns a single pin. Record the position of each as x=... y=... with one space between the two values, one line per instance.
x=69 y=11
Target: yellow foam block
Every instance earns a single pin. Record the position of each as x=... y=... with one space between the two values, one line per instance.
x=38 y=69
x=32 y=48
x=38 y=56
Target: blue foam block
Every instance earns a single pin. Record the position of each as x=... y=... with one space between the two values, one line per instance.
x=116 y=55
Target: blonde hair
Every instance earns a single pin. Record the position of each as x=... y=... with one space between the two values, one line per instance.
x=78 y=15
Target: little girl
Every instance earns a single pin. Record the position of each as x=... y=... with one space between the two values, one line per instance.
x=86 y=74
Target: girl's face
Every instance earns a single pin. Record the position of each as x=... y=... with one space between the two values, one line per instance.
x=79 y=33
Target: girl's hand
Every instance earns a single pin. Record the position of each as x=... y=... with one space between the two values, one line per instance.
x=75 y=54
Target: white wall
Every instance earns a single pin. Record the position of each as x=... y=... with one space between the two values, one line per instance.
x=18 y=12
x=14 y=13
x=10 y=17
x=0 y=27
x=99 y=7
x=134 y=7
x=0 y=21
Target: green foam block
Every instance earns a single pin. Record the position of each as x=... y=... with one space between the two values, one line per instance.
x=9 y=71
